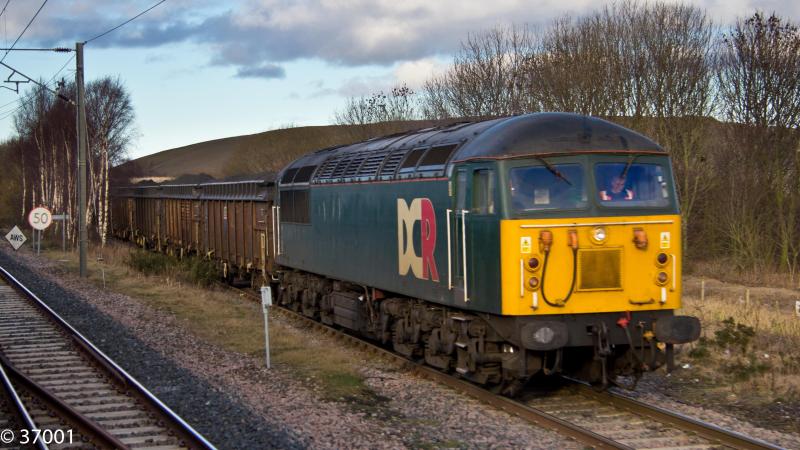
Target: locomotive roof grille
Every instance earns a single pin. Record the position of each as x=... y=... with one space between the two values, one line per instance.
x=392 y=162
x=355 y=164
x=509 y=137
x=288 y=176
x=437 y=155
x=338 y=172
x=304 y=174
x=373 y=163
x=327 y=168
x=412 y=159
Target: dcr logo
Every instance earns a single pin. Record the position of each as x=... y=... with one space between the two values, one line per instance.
x=421 y=209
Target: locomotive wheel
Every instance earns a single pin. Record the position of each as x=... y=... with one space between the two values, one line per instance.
x=438 y=353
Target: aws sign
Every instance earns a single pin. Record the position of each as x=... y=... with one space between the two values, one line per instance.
x=423 y=266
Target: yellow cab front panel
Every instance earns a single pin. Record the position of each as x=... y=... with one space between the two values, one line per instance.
x=624 y=263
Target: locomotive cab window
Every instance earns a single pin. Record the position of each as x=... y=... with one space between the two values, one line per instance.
x=626 y=184
x=559 y=186
x=461 y=189
x=483 y=192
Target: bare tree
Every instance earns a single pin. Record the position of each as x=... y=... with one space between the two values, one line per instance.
x=398 y=104
x=759 y=83
x=109 y=117
x=47 y=145
x=671 y=73
x=485 y=79
x=576 y=66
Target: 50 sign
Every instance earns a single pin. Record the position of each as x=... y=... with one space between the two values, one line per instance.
x=40 y=218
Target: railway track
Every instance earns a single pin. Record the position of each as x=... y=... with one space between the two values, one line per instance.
x=58 y=390
x=597 y=419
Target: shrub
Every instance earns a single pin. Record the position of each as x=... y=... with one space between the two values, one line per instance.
x=149 y=263
x=191 y=270
x=734 y=334
x=202 y=272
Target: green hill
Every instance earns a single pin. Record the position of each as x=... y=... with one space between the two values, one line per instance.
x=254 y=153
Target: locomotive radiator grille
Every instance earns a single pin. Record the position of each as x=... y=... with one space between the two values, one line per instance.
x=599 y=269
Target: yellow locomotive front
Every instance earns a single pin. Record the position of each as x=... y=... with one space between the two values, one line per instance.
x=591 y=234
x=591 y=257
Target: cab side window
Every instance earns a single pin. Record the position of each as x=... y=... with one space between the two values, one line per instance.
x=461 y=190
x=483 y=191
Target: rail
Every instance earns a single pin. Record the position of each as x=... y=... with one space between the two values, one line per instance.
x=539 y=416
x=106 y=365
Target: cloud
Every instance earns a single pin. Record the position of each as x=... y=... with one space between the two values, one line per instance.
x=414 y=74
x=263 y=71
x=255 y=36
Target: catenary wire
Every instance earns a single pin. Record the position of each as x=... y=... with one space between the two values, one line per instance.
x=4 y=8
x=24 y=30
x=124 y=23
x=22 y=100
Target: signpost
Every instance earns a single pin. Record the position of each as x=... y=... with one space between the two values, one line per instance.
x=16 y=238
x=39 y=218
x=63 y=218
x=266 y=302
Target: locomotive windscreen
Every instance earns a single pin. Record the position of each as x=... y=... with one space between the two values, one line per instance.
x=540 y=188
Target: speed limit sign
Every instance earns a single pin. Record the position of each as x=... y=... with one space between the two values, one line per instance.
x=40 y=218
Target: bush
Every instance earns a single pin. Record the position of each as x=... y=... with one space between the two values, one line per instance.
x=191 y=270
x=734 y=334
x=202 y=272
x=740 y=363
x=150 y=263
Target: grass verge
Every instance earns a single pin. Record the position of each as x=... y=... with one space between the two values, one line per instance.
x=179 y=287
x=748 y=358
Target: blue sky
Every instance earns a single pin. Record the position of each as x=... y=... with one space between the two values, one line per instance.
x=202 y=69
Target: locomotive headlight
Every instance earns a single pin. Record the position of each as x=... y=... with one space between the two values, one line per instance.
x=533 y=264
x=662 y=278
x=533 y=283
x=599 y=235
x=544 y=335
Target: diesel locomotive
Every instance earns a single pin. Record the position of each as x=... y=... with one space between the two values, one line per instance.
x=498 y=249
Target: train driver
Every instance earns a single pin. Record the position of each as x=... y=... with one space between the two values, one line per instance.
x=616 y=190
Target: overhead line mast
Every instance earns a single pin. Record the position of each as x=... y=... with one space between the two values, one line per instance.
x=81 y=125
x=80 y=117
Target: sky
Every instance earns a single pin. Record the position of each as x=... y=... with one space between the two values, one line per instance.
x=198 y=70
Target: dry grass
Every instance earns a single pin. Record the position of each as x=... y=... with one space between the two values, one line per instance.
x=225 y=320
x=759 y=369
x=723 y=270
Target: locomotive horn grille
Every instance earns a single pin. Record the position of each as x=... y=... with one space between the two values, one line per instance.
x=599 y=269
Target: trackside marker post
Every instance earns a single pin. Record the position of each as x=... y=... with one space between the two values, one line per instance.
x=39 y=219
x=16 y=238
x=63 y=218
x=266 y=302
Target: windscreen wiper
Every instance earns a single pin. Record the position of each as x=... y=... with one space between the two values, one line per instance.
x=624 y=173
x=553 y=170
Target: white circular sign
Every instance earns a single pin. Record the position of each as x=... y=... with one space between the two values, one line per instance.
x=40 y=218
